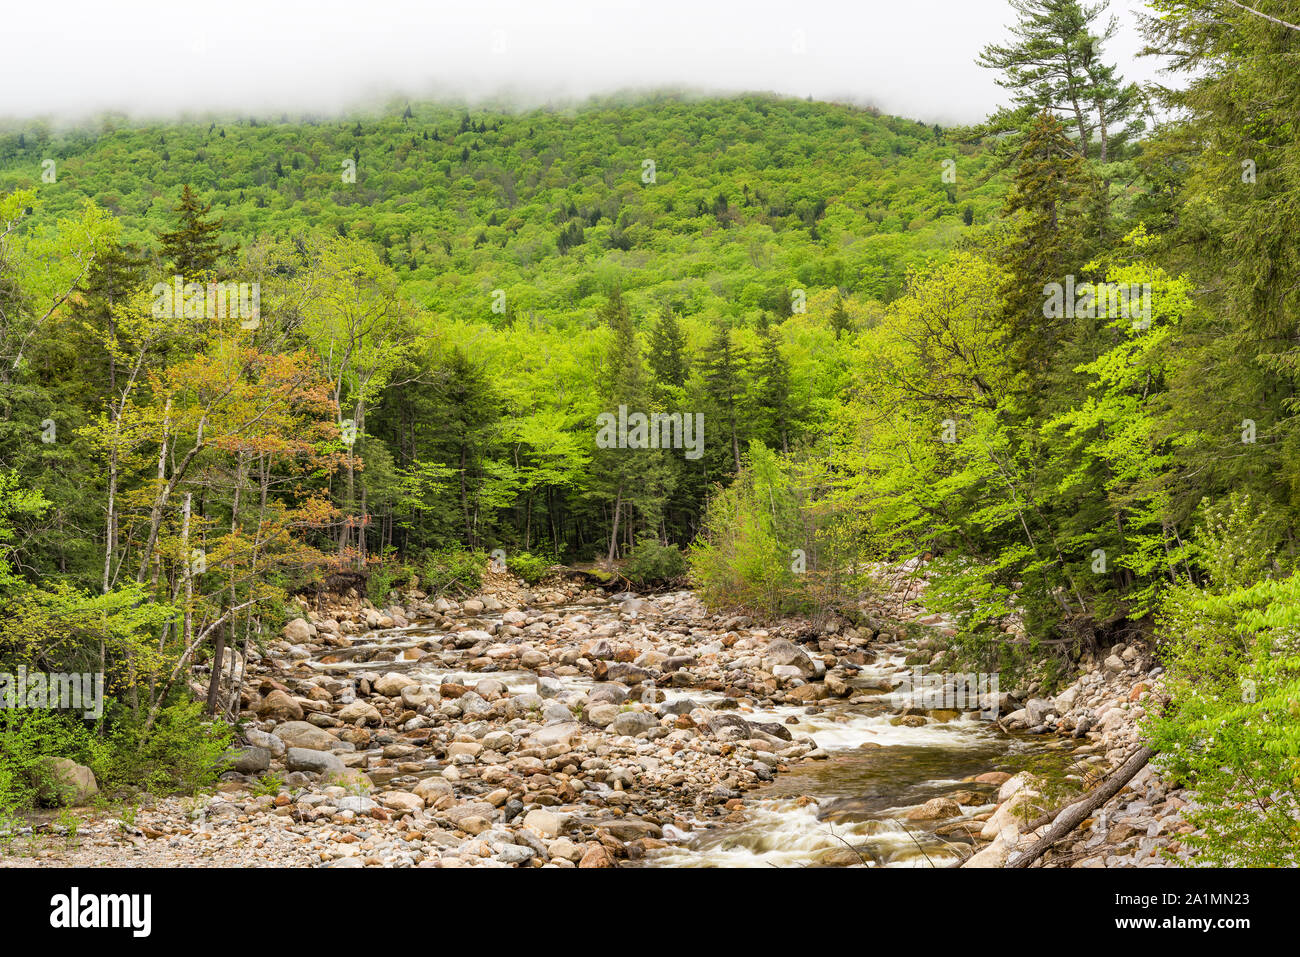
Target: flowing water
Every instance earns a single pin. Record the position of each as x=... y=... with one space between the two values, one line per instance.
x=847 y=808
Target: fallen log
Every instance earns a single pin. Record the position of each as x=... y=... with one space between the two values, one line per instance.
x=1076 y=813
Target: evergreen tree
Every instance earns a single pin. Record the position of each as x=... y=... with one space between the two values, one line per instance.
x=1046 y=201
x=667 y=359
x=193 y=249
x=1055 y=64
x=840 y=319
x=724 y=370
x=773 y=392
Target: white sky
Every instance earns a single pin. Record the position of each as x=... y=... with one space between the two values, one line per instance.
x=148 y=57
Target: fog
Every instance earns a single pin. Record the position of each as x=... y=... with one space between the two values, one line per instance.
x=164 y=57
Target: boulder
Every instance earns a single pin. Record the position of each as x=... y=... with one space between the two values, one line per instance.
x=280 y=706
x=632 y=723
x=65 y=783
x=391 y=685
x=934 y=809
x=300 y=734
x=543 y=822
x=562 y=734
x=783 y=652
x=305 y=759
x=360 y=711
x=299 y=630
x=250 y=759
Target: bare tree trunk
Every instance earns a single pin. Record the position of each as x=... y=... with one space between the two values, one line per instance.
x=1076 y=813
x=613 y=535
x=219 y=649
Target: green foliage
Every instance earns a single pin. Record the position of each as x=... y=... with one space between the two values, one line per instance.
x=653 y=563
x=452 y=571
x=29 y=737
x=1232 y=730
x=531 y=568
x=382 y=578
x=758 y=550
x=181 y=753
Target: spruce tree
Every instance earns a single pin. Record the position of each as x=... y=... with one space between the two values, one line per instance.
x=724 y=385
x=774 y=390
x=1046 y=204
x=193 y=249
x=667 y=358
x=840 y=320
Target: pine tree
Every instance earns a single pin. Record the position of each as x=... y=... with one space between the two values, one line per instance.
x=840 y=319
x=194 y=248
x=1046 y=201
x=667 y=359
x=724 y=385
x=774 y=390
x=1055 y=64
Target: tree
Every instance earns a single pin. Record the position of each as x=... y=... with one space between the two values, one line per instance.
x=723 y=373
x=623 y=388
x=194 y=248
x=841 y=322
x=1046 y=203
x=357 y=321
x=773 y=392
x=667 y=359
x=1055 y=64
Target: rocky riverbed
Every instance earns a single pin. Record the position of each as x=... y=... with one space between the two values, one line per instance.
x=561 y=727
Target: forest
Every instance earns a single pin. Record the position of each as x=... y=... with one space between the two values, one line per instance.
x=1057 y=351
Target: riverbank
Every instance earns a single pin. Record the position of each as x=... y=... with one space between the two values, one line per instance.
x=557 y=726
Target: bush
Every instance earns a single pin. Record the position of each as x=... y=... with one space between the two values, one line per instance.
x=182 y=753
x=453 y=570
x=652 y=563
x=753 y=553
x=531 y=568
x=28 y=739
x=382 y=577
x=1232 y=728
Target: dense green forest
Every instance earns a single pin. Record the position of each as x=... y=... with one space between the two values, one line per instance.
x=1056 y=351
x=771 y=225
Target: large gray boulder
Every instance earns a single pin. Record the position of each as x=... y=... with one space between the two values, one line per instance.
x=784 y=652
x=250 y=760
x=632 y=723
x=300 y=734
x=322 y=762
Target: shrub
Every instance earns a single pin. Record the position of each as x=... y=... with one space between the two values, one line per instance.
x=754 y=552
x=652 y=563
x=28 y=739
x=1232 y=728
x=182 y=753
x=382 y=577
x=531 y=568
x=453 y=570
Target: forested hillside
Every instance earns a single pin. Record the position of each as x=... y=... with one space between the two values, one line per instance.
x=774 y=224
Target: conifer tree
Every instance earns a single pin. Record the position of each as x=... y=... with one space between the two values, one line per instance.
x=1046 y=201
x=724 y=385
x=667 y=358
x=194 y=248
x=773 y=391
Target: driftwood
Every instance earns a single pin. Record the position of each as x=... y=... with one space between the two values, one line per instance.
x=1076 y=813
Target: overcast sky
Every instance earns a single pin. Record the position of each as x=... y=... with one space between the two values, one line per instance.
x=151 y=57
